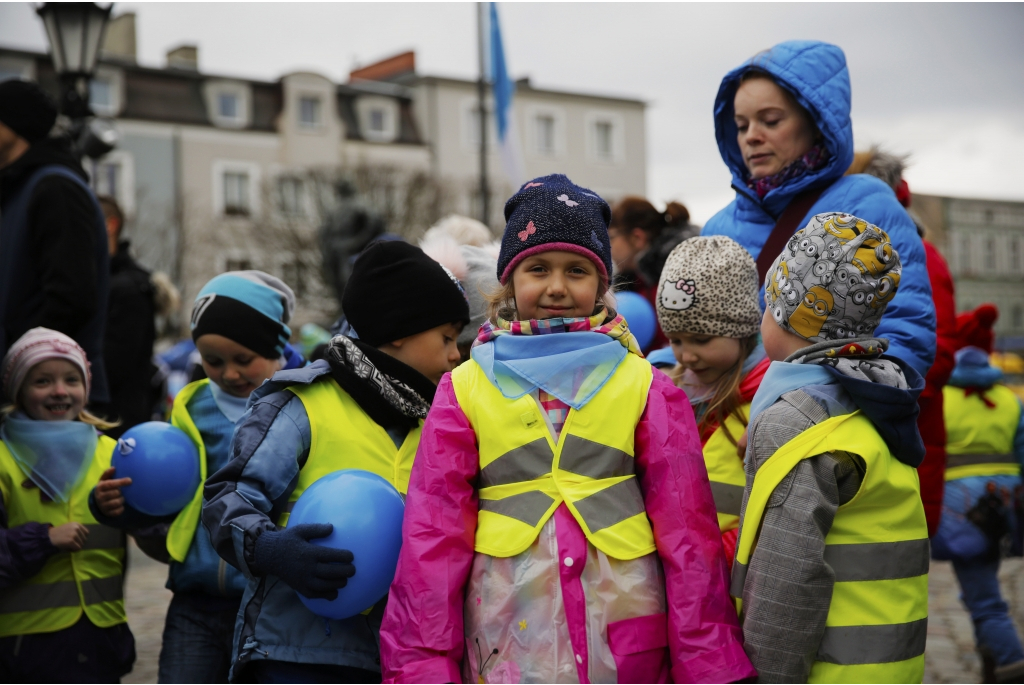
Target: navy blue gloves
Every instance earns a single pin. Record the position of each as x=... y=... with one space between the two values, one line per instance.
x=313 y=571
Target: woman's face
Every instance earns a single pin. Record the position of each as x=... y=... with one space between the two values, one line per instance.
x=235 y=368
x=555 y=284
x=771 y=129
x=53 y=390
x=708 y=357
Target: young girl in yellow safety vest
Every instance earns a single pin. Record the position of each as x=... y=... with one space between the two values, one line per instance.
x=708 y=306
x=61 y=573
x=559 y=525
x=240 y=328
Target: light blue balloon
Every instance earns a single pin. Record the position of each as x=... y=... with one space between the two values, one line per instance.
x=163 y=464
x=640 y=316
x=366 y=512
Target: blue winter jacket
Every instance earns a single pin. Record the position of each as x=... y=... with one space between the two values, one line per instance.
x=816 y=75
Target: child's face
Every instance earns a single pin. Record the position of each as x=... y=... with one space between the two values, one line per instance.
x=53 y=390
x=708 y=357
x=235 y=369
x=555 y=284
x=433 y=352
x=779 y=343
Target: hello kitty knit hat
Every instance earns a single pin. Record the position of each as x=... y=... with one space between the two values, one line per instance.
x=553 y=213
x=709 y=286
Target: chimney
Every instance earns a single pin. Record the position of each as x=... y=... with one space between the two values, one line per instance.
x=183 y=57
x=386 y=69
x=119 y=40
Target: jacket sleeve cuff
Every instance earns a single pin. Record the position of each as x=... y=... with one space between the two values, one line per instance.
x=439 y=669
x=727 y=664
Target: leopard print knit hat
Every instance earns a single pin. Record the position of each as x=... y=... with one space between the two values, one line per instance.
x=709 y=286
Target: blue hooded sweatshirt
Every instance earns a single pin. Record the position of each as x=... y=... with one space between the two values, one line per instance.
x=815 y=73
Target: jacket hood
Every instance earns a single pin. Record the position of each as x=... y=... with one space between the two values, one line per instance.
x=816 y=74
x=42 y=153
x=973 y=369
x=892 y=409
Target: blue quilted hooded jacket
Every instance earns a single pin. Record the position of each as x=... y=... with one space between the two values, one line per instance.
x=816 y=74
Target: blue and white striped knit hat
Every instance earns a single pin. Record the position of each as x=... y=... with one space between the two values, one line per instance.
x=251 y=308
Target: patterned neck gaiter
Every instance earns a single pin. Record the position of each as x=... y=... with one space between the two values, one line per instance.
x=815 y=158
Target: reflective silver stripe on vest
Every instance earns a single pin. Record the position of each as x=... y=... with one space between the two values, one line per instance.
x=39 y=596
x=852 y=645
x=728 y=497
x=528 y=507
x=103 y=537
x=974 y=459
x=612 y=505
x=878 y=560
x=594 y=460
x=739 y=577
x=519 y=465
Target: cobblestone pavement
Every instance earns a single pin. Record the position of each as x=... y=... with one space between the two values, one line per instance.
x=949 y=658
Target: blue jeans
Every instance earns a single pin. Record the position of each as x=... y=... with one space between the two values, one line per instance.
x=198 y=635
x=993 y=628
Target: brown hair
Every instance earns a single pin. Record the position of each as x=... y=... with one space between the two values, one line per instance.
x=111 y=209
x=725 y=397
x=636 y=212
x=756 y=73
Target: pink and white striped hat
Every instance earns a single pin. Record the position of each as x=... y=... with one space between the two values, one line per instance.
x=39 y=345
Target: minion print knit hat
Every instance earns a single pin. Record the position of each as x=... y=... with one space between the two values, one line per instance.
x=834 y=279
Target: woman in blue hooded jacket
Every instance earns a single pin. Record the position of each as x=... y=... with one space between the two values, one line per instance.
x=782 y=121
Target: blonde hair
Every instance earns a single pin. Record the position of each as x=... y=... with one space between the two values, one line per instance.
x=85 y=416
x=725 y=397
x=501 y=302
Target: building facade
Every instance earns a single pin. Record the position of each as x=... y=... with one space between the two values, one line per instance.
x=217 y=173
x=983 y=242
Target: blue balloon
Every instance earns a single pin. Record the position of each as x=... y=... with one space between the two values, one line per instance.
x=163 y=464
x=640 y=316
x=366 y=512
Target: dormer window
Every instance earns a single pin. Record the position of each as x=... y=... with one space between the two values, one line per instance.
x=378 y=118
x=228 y=102
x=309 y=112
x=227 y=106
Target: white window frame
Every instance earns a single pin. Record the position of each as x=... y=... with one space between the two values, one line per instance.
x=304 y=205
x=125 y=194
x=242 y=91
x=366 y=105
x=114 y=78
x=469 y=119
x=319 y=111
x=223 y=166
x=558 y=116
x=618 y=124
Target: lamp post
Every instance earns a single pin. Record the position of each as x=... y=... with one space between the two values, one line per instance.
x=75 y=31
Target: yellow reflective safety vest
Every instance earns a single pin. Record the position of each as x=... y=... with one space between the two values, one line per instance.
x=183 y=529
x=725 y=470
x=90 y=580
x=979 y=438
x=525 y=474
x=345 y=437
x=878 y=549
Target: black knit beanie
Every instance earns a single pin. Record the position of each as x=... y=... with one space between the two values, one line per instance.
x=26 y=109
x=553 y=213
x=396 y=291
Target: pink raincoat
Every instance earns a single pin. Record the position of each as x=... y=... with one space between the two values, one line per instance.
x=562 y=611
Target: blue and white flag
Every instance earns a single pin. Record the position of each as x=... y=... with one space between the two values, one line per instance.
x=504 y=115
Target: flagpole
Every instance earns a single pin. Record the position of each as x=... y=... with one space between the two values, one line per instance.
x=481 y=91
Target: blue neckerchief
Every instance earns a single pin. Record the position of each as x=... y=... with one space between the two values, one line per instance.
x=230 y=406
x=54 y=454
x=571 y=366
x=782 y=377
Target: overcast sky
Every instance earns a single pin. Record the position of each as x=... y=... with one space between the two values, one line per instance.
x=941 y=82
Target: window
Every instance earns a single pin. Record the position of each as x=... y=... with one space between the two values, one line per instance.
x=237 y=264
x=227 y=106
x=378 y=121
x=1015 y=254
x=990 y=254
x=101 y=95
x=1018 y=317
x=545 y=132
x=965 y=255
x=309 y=112
x=236 y=193
x=603 y=140
x=290 y=196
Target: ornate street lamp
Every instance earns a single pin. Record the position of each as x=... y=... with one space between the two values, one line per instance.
x=75 y=30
